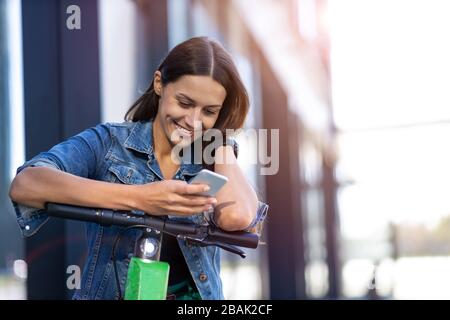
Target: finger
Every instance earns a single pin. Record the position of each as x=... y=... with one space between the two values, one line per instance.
x=177 y=200
x=190 y=210
x=194 y=188
x=196 y=200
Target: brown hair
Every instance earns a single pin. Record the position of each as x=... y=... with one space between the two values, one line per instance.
x=198 y=56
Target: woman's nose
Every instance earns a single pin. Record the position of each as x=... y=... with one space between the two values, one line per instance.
x=194 y=120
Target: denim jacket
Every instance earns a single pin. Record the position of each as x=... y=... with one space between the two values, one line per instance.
x=121 y=153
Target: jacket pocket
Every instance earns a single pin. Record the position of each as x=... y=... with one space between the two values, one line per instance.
x=126 y=174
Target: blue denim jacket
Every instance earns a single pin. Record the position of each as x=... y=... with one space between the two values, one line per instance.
x=121 y=153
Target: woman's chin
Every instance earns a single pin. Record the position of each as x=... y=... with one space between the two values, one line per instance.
x=180 y=140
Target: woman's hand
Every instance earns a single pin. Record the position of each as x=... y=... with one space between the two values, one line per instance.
x=172 y=197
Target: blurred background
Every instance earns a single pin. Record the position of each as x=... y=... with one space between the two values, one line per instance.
x=357 y=88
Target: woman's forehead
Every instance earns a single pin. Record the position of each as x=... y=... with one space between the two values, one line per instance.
x=203 y=90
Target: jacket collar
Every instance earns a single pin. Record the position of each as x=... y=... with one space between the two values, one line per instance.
x=140 y=139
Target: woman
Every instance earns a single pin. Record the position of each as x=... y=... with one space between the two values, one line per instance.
x=130 y=166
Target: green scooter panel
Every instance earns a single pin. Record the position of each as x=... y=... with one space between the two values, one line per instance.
x=147 y=280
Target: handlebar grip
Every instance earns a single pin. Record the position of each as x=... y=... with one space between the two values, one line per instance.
x=72 y=212
x=180 y=228
x=237 y=238
x=120 y=218
x=102 y=216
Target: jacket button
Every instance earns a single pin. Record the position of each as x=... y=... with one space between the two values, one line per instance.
x=203 y=277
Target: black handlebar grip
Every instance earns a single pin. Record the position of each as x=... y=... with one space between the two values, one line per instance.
x=72 y=212
x=102 y=216
x=180 y=228
x=238 y=238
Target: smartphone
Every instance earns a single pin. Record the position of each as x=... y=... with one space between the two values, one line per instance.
x=214 y=180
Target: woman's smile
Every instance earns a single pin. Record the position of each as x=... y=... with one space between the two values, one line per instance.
x=183 y=130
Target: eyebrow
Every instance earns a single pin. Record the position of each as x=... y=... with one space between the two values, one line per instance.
x=182 y=95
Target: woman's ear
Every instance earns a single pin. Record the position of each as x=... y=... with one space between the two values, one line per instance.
x=157 y=84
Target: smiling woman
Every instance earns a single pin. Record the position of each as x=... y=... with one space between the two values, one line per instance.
x=128 y=166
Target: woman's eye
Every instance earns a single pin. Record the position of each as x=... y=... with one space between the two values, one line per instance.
x=184 y=104
x=210 y=112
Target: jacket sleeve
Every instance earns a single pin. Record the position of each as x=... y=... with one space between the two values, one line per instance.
x=78 y=155
x=257 y=224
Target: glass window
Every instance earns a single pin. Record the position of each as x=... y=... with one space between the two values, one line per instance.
x=118 y=55
x=13 y=269
x=316 y=269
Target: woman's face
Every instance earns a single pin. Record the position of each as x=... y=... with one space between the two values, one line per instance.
x=192 y=103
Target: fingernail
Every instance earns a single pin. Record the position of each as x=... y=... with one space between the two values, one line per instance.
x=206 y=188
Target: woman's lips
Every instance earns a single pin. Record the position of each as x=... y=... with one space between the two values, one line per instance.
x=183 y=130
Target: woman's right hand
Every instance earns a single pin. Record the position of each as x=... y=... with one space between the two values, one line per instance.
x=173 y=197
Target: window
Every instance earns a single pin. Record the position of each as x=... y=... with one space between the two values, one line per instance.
x=12 y=266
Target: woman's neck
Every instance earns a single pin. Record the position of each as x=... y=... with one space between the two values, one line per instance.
x=163 y=151
x=161 y=145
